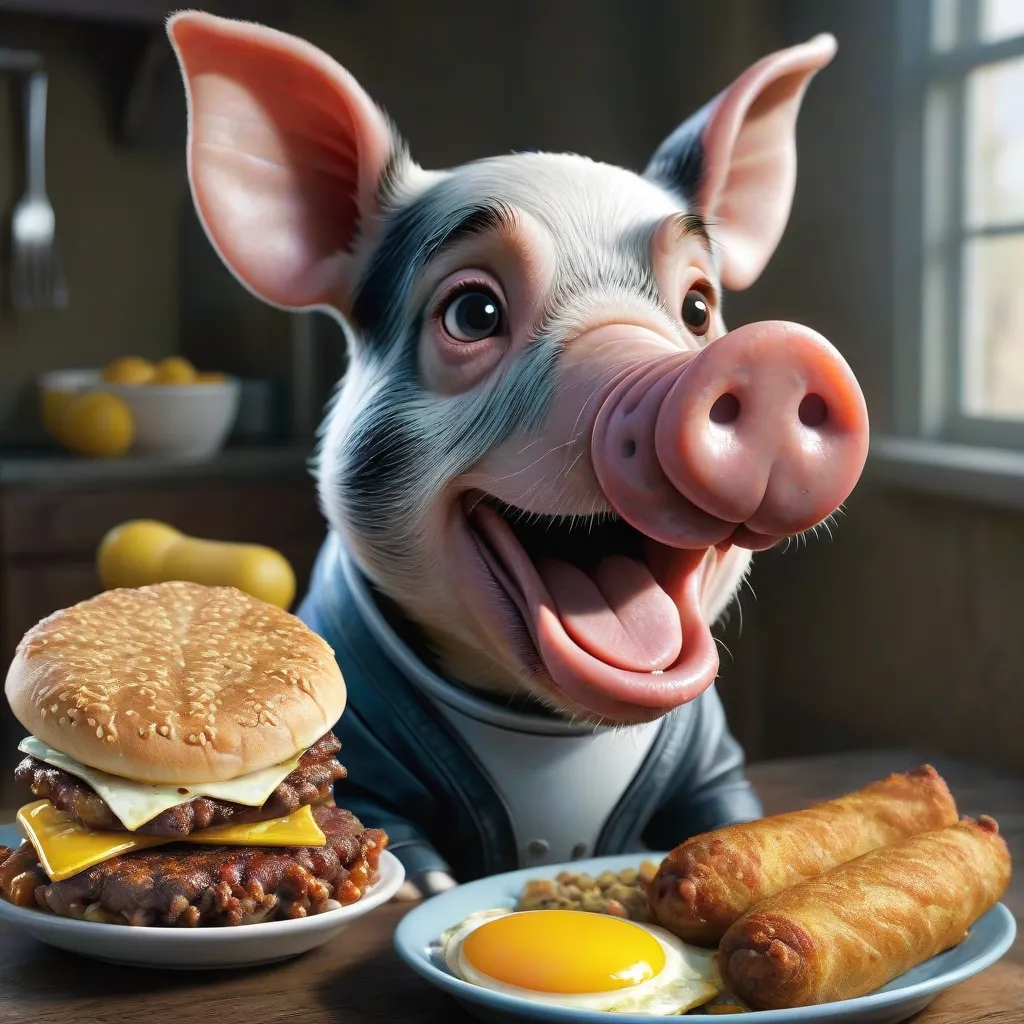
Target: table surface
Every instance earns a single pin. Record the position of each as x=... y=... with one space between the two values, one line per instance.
x=359 y=977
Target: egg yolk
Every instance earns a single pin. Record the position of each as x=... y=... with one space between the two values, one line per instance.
x=564 y=951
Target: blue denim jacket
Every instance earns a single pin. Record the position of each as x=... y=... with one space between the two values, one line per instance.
x=413 y=776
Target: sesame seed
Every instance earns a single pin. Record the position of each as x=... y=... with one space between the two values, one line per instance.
x=91 y=721
x=99 y=731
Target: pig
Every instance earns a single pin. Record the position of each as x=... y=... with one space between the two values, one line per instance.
x=549 y=463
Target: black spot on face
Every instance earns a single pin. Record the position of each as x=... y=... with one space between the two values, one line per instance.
x=414 y=235
x=678 y=163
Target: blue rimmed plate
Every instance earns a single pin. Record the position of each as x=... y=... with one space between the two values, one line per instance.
x=419 y=930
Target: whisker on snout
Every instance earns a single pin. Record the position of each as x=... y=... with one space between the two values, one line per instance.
x=721 y=643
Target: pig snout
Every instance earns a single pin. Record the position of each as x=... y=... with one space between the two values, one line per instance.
x=760 y=435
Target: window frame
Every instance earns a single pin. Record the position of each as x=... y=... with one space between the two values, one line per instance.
x=930 y=232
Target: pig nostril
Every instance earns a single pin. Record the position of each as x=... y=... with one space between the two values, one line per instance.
x=813 y=411
x=725 y=410
x=628 y=448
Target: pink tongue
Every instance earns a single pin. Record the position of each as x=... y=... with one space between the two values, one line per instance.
x=617 y=612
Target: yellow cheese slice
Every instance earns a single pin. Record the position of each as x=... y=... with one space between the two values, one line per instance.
x=296 y=829
x=135 y=803
x=66 y=848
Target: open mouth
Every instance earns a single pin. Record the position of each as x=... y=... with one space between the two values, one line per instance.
x=614 y=615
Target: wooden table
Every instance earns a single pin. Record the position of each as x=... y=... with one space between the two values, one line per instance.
x=359 y=978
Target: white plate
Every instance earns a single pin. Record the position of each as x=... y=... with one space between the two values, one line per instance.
x=198 y=948
x=418 y=931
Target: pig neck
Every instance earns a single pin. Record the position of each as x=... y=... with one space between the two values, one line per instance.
x=395 y=634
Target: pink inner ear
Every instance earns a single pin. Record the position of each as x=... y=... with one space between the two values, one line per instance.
x=750 y=157
x=285 y=151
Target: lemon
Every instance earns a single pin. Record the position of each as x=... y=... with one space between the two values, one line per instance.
x=207 y=377
x=129 y=370
x=132 y=554
x=97 y=424
x=53 y=405
x=174 y=370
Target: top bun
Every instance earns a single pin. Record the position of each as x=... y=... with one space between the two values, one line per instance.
x=175 y=683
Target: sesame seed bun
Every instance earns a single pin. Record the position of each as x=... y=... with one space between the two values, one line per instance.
x=175 y=683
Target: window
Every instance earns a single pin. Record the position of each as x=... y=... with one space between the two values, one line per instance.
x=960 y=222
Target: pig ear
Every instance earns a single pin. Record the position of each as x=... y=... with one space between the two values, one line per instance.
x=734 y=161
x=285 y=157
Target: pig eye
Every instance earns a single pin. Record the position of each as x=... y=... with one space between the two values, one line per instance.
x=473 y=316
x=697 y=311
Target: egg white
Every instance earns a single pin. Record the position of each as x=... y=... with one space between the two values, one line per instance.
x=688 y=979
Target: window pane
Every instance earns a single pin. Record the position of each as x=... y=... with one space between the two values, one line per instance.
x=944 y=19
x=993 y=327
x=995 y=143
x=1001 y=19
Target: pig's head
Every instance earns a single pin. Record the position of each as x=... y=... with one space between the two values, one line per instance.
x=547 y=452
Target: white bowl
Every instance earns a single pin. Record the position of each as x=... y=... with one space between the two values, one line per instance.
x=180 y=421
x=198 y=948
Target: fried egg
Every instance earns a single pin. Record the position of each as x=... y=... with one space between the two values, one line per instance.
x=582 y=960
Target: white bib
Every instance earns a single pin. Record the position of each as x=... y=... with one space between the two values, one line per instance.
x=559 y=789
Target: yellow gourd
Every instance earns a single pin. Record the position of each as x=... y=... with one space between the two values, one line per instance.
x=144 y=551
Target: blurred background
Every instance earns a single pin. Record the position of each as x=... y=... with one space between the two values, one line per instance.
x=898 y=626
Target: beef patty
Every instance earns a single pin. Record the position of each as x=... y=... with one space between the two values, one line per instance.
x=202 y=886
x=310 y=783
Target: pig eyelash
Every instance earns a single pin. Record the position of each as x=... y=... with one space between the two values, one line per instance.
x=707 y=289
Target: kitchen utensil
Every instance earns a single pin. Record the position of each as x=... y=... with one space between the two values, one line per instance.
x=37 y=279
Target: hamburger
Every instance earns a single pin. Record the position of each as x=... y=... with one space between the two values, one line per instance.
x=181 y=764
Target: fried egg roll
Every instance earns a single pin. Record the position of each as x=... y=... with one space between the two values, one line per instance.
x=710 y=880
x=852 y=930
